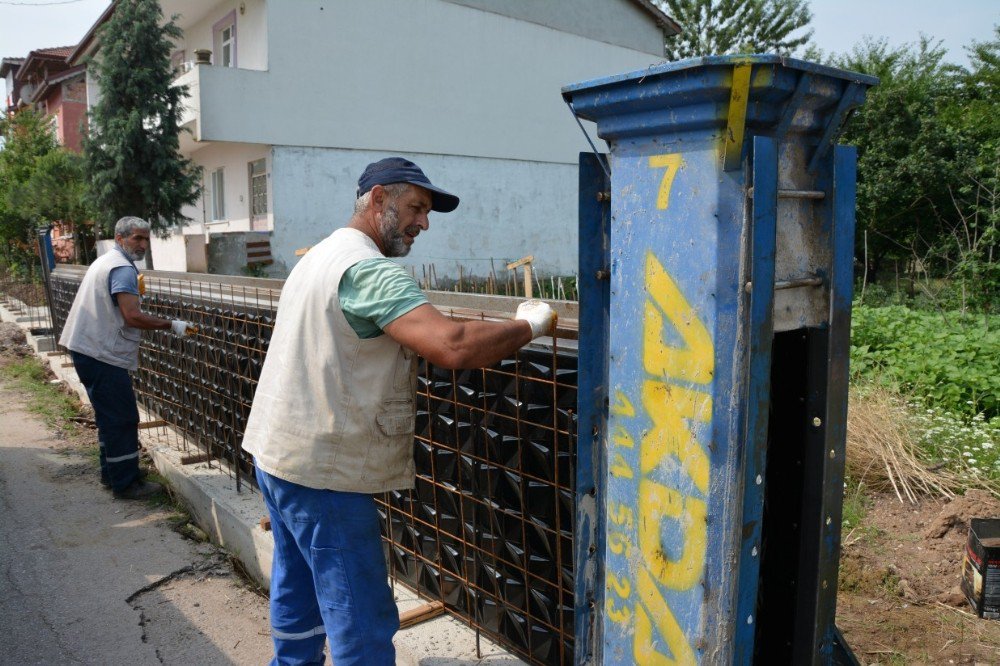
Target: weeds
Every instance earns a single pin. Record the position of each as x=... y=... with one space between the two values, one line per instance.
x=968 y=445
x=856 y=505
x=58 y=408
x=50 y=401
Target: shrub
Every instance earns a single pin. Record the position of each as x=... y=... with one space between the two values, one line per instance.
x=952 y=360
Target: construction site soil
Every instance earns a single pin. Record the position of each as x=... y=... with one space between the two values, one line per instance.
x=899 y=599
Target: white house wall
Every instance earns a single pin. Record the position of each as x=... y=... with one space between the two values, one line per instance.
x=93 y=87
x=169 y=254
x=621 y=22
x=420 y=76
x=251 y=30
x=508 y=209
x=234 y=159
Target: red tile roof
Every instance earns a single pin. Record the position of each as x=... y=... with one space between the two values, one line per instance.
x=56 y=51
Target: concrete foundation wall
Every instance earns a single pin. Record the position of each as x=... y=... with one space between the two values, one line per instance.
x=227 y=252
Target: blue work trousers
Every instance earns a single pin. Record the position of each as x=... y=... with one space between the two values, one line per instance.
x=110 y=391
x=328 y=577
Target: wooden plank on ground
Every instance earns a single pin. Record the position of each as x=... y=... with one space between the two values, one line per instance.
x=152 y=424
x=420 y=614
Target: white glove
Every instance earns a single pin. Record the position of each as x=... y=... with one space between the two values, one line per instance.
x=539 y=315
x=183 y=328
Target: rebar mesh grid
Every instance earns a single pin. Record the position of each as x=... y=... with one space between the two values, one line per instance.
x=488 y=529
x=25 y=297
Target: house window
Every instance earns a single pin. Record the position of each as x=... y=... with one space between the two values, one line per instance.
x=224 y=36
x=218 y=195
x=258 y=188
x=177 y=62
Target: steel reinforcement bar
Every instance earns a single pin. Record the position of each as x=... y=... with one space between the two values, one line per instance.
x=488 y=529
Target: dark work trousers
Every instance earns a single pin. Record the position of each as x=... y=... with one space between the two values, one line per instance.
x=110 y=391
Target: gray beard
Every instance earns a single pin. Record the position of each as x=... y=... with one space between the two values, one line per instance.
x=134 y=256
x=392 y=237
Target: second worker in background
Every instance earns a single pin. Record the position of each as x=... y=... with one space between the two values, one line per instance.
x=102 y=332
x=332 y=421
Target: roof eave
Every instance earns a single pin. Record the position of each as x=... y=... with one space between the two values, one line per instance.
x=7 y=64
x=42 y=91
x=670 y=26
x=88 y=45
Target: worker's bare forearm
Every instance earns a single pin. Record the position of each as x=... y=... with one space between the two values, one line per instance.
x=128 y=305
x=476 y=344
x=457 y=344
x=146 y=321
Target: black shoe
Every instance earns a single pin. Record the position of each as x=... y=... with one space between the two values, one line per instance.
x=107 y=484
x=139 y=489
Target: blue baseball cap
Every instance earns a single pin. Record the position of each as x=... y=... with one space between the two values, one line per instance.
x=398 y=170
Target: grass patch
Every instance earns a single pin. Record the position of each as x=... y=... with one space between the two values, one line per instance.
x=855 y=505
x=50 y=401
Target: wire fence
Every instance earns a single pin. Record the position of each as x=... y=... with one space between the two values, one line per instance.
x=22 y=291
x=488 y=530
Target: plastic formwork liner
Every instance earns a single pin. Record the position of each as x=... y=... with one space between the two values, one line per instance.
x=488 y=528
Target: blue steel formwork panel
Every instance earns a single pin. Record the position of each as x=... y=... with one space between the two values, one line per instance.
x=594 y=215
x=760 y=329
x=689 y=338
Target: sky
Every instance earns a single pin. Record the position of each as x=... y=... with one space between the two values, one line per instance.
x=838 y=24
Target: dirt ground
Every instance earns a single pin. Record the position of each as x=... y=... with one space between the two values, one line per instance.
x=899 y=599
x=86 y=579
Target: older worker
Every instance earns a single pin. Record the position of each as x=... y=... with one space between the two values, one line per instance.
x=333 y=417
x=102 y=333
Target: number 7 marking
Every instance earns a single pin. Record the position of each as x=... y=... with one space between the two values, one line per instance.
x=672 y=162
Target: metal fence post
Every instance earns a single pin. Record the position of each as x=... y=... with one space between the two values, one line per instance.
x=726 y=300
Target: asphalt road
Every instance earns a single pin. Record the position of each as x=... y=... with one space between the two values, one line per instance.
x=87 y=579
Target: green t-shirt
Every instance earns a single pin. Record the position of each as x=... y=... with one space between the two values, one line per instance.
x=374 y=292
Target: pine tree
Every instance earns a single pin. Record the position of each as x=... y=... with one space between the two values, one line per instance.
x=132 y=160
x=719 y=27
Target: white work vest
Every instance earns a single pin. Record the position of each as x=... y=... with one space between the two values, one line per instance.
x=332 y=410
x=95 y=326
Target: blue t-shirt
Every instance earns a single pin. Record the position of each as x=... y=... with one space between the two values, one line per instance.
x=375 y=292
x=123 y=280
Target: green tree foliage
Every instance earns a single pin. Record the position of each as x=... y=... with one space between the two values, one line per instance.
x=949 y=359
x=56 y=191
x=906 y=160
x=974 y=238
x=27 y=137
x=929 y=152
x=132 y=159
x=719 y=27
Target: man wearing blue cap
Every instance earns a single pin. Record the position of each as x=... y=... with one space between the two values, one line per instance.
x=333 y=416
